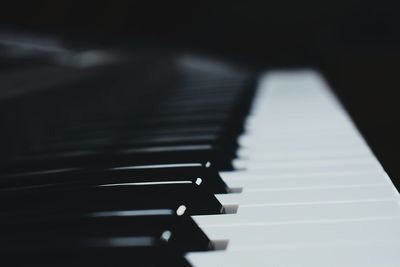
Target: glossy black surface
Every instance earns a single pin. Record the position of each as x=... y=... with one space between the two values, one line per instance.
x=195 y=172
x=124 y=196
x=179 y=231
x=104 y=160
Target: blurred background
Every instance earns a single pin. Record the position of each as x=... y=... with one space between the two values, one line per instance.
x=355 y=43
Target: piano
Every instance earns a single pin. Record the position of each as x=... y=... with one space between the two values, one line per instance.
x=160 y=157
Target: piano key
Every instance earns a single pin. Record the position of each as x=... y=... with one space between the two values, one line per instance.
x=310 y=153
x=143 y=251
x=186 y=235
x=196 y=172
x=250 y=183
x=124 y=196
x=135 y=156
x=202 y=173
x=301 y=142
x=329 y=233
x=225 y=144
x=299 y=213
x=328 y=165
x=321 y=170
x=378 y=255
x=317 y=195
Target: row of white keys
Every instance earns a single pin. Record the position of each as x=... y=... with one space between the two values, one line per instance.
x=313 y=193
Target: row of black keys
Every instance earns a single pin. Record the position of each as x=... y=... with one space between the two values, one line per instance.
x=112 y=115
x=117 y=185
x=141 y=212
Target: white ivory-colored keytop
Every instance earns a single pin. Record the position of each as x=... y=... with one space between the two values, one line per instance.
x=331 y=233
x=316 y=165
x=322 y=142
x=271 y=136
x=250 y=183
x=306 y=171
x=257 y=174
x=355 y=256
x=320 y=195
x=304 y=154
x=334 y=162
x=275 y=214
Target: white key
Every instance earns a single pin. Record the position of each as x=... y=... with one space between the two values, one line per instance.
x=334 y=233
x=251 y=183
x=328 y=165
x=360 y=256
x=320 y=195
x=305 y=154
x=275 y=214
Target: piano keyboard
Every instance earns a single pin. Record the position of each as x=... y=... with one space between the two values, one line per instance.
x=163 y=165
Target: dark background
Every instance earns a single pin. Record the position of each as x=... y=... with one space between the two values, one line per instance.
x=355 y=43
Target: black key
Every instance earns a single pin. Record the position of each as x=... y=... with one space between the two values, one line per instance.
x=111 y=197
x=184 y=234
x=166 y=132
x=120 y=251
x=228 y=145
x=134 y=156
x=198 y=173
x=195 y=172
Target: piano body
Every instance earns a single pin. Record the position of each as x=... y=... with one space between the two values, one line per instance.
x=154 y=153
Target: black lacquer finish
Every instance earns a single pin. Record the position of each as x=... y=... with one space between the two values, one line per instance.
x=106 y=153
x=208 y=176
